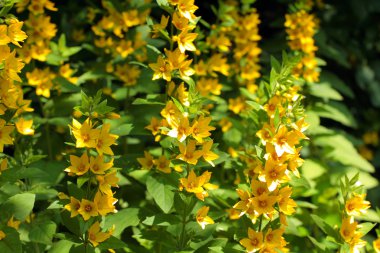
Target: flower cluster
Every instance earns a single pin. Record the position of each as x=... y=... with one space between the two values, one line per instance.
x=355 y=205
x=301 y=27
x=94 y=166
x=12 y=102
x=40 y=31
x=269 y=195
x=184 y=120
x=111 y=33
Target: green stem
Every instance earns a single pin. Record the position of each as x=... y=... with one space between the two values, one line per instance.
x=183 y=231
x=47 y=130
x=260 y=222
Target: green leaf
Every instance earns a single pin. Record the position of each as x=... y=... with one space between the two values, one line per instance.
x=62 y=246
x=340 y=149
x=19 y=205
x=335 y=111
x=256 y=106
x=336 y=83
x=321 y=246
x=312 y=169
x=324 y=91
x=122 y=130
x=161 y=191
x=365 y=227
x=11 y=243
x=65 y=85
x=43 y=232
x=326 y=228
x=122 y=219
x=112 y=243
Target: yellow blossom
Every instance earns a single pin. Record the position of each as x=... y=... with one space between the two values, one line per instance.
x=2 y=235
x=24 y=127
x=202 y=217
x=5 y=132
x=162 y=69
x=98 y=166
x=254 y=242
x=95 y=236
x=84 y=134
x=104 y=140
x=13 y=223
x=79 y=165
x=147 y=161
x=356 y=205
x=88 y=209
x=105 y=203
x=189 y=153
x=185 y=41
x=162 y=164
x=197 y=185
x=73 y=207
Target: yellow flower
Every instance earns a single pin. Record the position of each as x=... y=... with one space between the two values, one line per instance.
x=371 y=138
x=24 y=127
x=2 y=235
x=205 y=86
x=187 y=8
x=147 y=161
x=263 y=204
x=177 y=60
x=161 y=26
x=258 y=187
x=273 y=238
x=285 y=203
x=376 y=245
x=13 y=223
x=185 y=41
x=284 y=141
x=162 y=164
x=237 y=105
x=348 y=229
x=3 y=165
x=201 y=129
x=108 y=181
x=162 y=69
x=207 y=154
x=225 y=124
x=79 y=165
x=42 y=80
x=95 y=236
x=181 y=23
x=105 y=140
x=73 y=207
x=180 y=128
x=189 y=153
x=356 y=205
x=5 y=132
x=273 y=105
x=98 y=166
x=12 y=66
x=84 y=134
x=202 y=217
x=15 y=33
x=254 y=242
x=4 y=39
x=105 y=203
x=266 y=133
x=171 y=112
x=273 y=174
x=197 y=185
x=88 y=209
x=244 y=203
